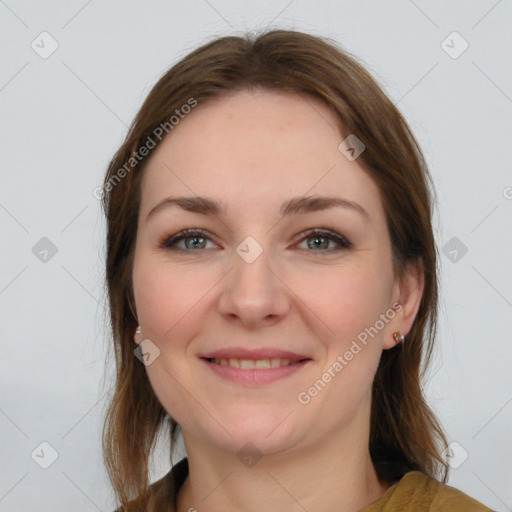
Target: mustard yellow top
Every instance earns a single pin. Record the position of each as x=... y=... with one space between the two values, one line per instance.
x=415 y=492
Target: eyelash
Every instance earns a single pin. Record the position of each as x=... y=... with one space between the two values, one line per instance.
x=169 y=242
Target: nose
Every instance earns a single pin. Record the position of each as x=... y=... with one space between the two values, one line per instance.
x=254 y=294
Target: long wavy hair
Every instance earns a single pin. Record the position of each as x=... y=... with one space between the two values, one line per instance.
x=404 y=432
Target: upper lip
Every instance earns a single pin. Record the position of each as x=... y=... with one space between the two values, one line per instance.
x=261 y=353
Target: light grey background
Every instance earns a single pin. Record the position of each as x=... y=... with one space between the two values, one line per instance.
x=63 y=117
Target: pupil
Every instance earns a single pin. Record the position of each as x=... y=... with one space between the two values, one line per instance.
x=194 y=240
x=316 y=239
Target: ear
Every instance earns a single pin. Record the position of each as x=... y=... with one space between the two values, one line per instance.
x=406 y=295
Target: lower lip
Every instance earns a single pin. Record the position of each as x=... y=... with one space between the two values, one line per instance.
x=254 y=377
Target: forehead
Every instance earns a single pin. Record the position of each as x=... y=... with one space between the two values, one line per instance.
x=257 y=148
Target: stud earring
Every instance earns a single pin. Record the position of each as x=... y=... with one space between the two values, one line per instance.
x=137 y=335
x=398 y=337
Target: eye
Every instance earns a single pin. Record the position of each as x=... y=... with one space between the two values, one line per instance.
x=321 y=238
x=318 y=240
x=194 y=239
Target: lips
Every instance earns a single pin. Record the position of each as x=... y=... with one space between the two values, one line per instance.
x=257 y=354
x=253 y=377
x=256 y=367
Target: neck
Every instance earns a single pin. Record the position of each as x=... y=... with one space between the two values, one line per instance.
x=324 y=476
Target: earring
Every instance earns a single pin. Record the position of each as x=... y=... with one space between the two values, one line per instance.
x=398 y=337
x=137 y=335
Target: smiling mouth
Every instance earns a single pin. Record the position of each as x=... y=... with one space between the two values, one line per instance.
x=253 y=364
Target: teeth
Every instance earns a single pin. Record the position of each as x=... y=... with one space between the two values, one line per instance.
x=249 y=364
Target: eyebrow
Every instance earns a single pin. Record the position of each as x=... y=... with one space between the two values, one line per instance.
x=293 y=206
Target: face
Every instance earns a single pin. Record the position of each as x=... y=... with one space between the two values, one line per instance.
x=311 y=282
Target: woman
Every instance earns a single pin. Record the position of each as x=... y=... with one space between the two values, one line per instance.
x=272 y=279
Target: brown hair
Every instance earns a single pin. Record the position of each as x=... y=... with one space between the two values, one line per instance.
x=404 y=432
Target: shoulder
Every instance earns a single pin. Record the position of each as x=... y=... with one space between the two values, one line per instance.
x=419 y=490
x=164 y=491
x=159 y=492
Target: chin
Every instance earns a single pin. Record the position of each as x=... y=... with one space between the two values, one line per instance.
x=254 y=444
x=267 y=432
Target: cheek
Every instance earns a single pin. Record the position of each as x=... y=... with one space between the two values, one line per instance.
x=168 y=296
x=346 y=298
x=170 y=301
x=349 y=301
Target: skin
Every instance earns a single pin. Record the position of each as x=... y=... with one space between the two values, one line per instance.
x=252 y=151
